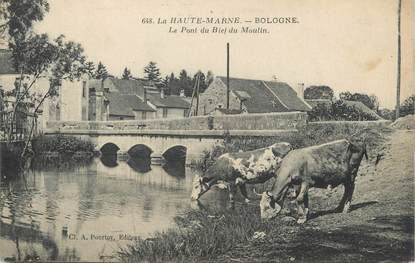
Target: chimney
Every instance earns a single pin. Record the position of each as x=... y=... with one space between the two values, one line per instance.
x=145 y=95
x=274 y=78
x=182 y=93
x=162 y=93
x=300 y=90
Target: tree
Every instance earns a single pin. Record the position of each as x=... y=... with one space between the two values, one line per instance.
x=35 y=55
x=202 y=81
x=318 y=92
x=174 y=85
x=407 y=107
x=152 y=72
x=321 y=112
x=185 y=83
x=90 y=69
x=101 y=72
x=209 y=78
x=126 y=74
x=165 y=85
x=371 y=102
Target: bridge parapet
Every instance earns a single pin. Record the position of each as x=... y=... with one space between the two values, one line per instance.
x=263 y=121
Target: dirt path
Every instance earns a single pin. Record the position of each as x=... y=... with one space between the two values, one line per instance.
x=379 y=227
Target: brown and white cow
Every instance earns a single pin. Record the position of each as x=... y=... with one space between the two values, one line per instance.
x=237 y=169
x=322 y=166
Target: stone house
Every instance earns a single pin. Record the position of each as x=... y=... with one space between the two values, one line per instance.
x=136 y=99
x=251 y=96
x=70 y=104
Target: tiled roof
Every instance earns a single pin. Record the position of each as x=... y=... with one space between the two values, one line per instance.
x=6 y=62
x=131 y=86
x=287 y=96
x=262 y=97
x=362 y=107
x=171 y=101
x=125 y=104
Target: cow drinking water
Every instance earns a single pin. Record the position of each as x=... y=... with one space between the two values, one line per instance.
x=237 y=169
x=322 y=166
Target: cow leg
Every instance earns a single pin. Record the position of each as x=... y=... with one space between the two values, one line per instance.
x=346 y=194
x=244 y=193
x=306 y=210
x=351 y=187
x=302 y=201
x=232 y=192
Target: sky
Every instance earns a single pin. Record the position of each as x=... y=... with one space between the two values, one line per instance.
x=347 y=45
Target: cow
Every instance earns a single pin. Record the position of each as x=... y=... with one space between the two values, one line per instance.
x=237 y=169
x=322 y=166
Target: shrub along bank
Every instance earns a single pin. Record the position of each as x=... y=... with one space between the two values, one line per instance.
x=62 y=145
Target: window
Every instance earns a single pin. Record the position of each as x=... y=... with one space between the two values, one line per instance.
x=143 y=115
x=83 y=89
x=164 y=112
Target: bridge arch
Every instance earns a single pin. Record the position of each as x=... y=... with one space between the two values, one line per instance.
x=175 y=153
x=109 y=148
x=140 y=151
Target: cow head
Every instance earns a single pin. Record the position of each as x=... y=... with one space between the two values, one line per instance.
x=269 y=208
x=199 y=187
x=281 y=149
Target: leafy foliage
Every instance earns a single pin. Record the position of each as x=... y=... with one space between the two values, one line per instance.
x=407 y=107
x=101 y=72
x=318 y=92
x=61 y=144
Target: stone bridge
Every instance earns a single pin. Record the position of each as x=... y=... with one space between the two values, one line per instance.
x=171 y=139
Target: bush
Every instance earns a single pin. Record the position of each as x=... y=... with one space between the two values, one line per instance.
x=61 y=144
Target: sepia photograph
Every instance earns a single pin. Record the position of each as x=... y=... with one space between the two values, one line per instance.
x=207 y=131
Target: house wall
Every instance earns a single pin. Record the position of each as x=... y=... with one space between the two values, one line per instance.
x=71 y=101
x=172 y=113
x=214 y=96
x=7 y=81
x=175 y=113
x=149 y=115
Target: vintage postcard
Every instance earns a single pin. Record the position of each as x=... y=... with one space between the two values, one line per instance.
x=207 y=131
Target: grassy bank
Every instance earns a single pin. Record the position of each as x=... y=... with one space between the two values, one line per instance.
x=200 y=235
x=209 y=234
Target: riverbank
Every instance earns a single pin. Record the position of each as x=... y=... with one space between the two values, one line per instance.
x=379 y=227
x=62 y=148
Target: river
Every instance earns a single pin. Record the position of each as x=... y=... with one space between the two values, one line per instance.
x=88 y=212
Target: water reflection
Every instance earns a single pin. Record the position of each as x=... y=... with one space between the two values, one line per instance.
x=109 y=160
x=64 y=213
x=141 y=165
x=66 y=209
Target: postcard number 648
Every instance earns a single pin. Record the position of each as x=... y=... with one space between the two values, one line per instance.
x=147 y=20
